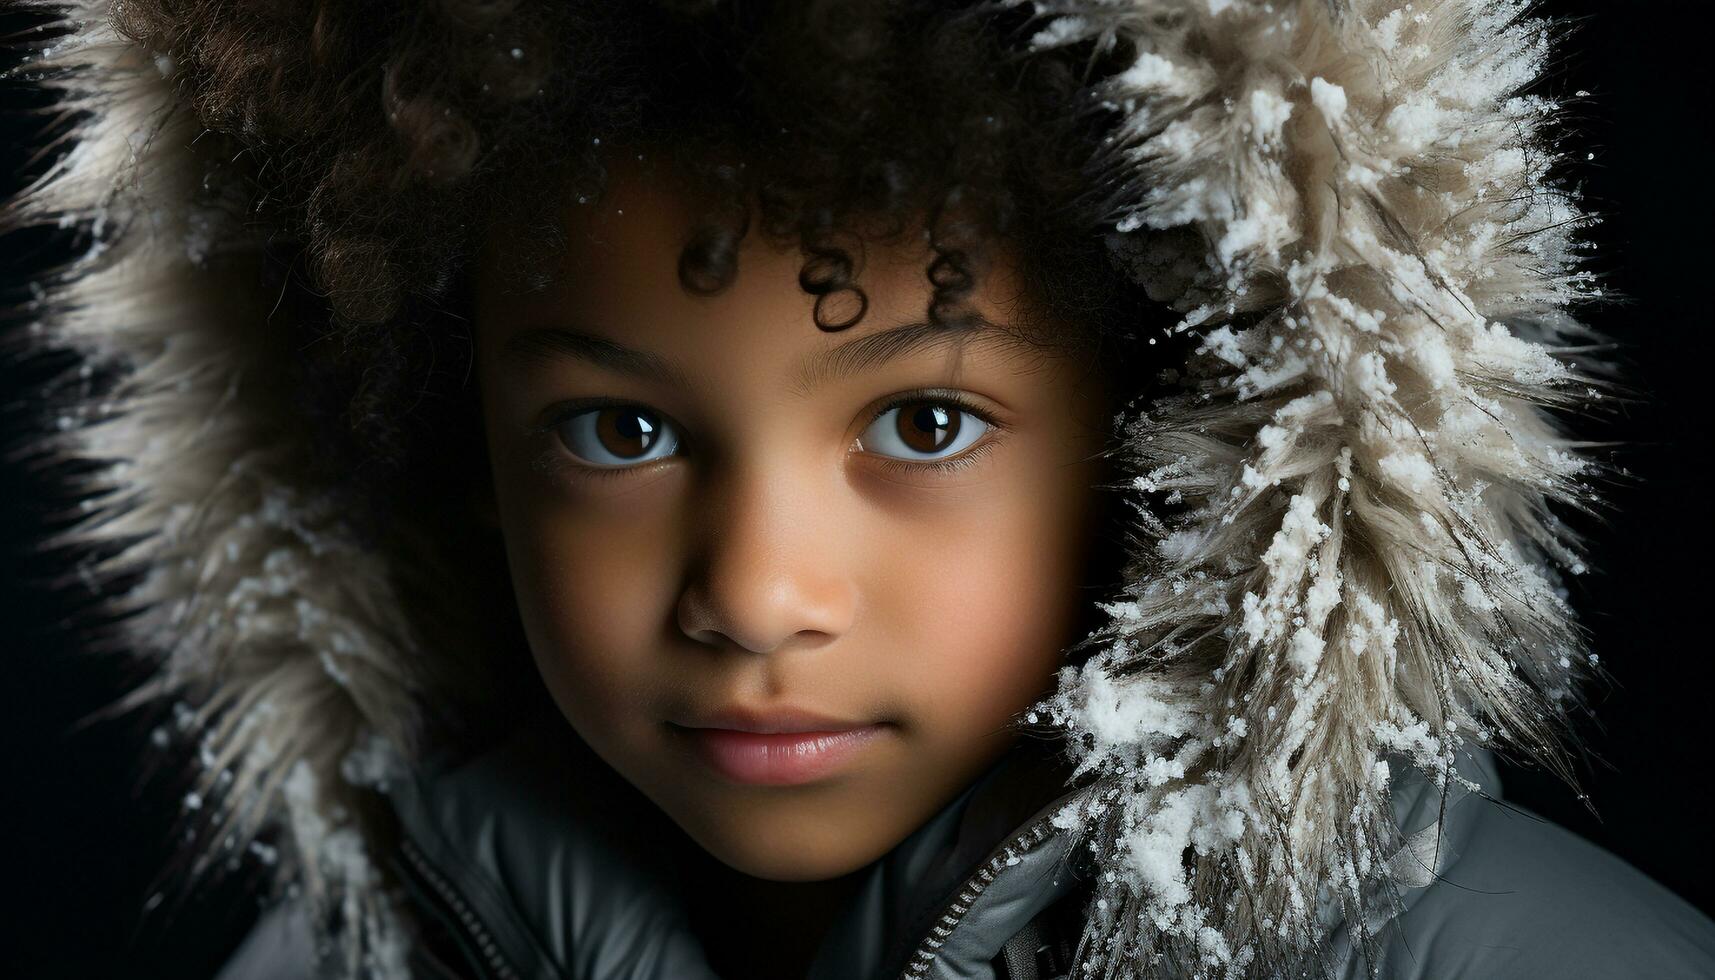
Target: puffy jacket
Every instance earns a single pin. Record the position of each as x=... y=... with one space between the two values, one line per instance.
x=527 y=872
x=1344 y=584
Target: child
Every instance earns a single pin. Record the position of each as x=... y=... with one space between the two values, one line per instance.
x=757 y=362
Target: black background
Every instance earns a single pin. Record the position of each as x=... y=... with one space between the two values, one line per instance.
x=85 y=832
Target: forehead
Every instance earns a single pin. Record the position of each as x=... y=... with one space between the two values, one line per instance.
x=616 y=276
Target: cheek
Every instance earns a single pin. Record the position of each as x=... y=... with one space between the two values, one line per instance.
x=589 y=584
x=990 y=600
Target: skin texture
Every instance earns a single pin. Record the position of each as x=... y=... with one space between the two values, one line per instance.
x=784 y=554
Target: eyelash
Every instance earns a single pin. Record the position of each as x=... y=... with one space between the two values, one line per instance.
x=951 y=464
x=555 y=456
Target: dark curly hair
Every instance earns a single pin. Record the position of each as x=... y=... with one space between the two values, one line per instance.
x=379 y=144
x=379 y=141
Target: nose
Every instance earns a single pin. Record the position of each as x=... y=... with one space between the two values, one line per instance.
x=770 y=568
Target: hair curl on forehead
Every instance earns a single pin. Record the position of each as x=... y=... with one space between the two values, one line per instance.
x=379 y=142
x=735 y=199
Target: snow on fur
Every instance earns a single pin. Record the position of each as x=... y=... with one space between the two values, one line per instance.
x=1352 y=547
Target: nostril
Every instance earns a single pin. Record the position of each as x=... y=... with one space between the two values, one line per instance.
x=765 y=564
x=764 y=616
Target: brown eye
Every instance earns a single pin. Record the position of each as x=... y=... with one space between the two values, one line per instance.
x=927 y=428
x=924 y=430
x=617 y=435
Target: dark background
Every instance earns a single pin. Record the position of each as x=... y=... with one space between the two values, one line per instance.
x=85 y=831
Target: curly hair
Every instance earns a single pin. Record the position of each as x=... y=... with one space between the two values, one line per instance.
x=378 y=142
x=378 y=145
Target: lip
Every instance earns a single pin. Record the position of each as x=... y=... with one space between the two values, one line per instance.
x=772 y=720
x=779 y=758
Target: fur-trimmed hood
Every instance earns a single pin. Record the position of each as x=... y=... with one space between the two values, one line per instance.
x=1347 y=505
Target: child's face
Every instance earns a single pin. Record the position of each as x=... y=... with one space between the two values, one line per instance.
x=741 y=551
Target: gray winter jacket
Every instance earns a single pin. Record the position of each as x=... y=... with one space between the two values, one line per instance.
x=534 y=875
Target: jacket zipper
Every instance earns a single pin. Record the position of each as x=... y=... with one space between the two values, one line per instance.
x=466 y=917
x=1026 y=841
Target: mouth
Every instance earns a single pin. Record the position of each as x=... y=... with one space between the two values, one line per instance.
x=780 y=748
x=770 y=721
x=779 y=758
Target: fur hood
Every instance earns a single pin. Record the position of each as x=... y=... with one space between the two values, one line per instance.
x=1347 y=544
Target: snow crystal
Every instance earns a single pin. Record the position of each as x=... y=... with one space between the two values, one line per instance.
x=1329 y=99
x=1156 y=851
x=1411 y=470
x=1322 y=596
x=1059 y=31
x=1264 y=227
x=1434 y=360
x=1269 y=113
x=1417 y=122
x=1150 y=70
x=1472 y=594
x=1134 y=710
x=1180 y=546
x=1224 y=344
x=372 y=761
x=267 y=855
x=1306 y=651
x=1160 y=770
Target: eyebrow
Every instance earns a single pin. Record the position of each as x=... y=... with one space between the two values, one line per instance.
x=539 y=345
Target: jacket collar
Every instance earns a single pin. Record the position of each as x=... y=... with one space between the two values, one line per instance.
x=509 y=839
x=945 y=899
x=513 y=850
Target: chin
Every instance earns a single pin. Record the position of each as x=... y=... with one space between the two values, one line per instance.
x=790 y=847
